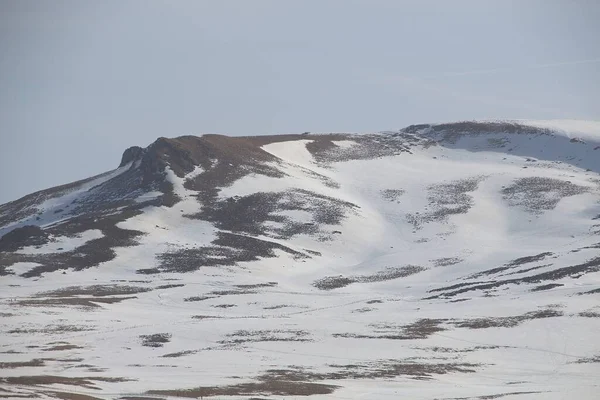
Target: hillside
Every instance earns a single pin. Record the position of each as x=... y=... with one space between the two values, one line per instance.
x=440 y=261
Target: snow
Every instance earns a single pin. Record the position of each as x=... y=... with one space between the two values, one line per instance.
x=22 y=267
x=538 y=356
x=49 y=213
x=148 y=196
x=344 y=144
x=589 y=130
x=293 y=152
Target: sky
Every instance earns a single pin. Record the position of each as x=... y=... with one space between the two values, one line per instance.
x=80 y=81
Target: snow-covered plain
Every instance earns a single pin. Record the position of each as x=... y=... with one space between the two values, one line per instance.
x=447 y=278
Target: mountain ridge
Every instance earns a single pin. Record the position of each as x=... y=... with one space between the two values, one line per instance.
x=458 y=259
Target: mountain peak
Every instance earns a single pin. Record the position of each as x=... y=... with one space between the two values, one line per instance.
x=132 y=154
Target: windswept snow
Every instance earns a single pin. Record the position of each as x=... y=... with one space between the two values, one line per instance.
x=54 y=209
x=571 y=128
x=293 y=152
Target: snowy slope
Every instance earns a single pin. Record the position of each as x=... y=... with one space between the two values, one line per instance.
x=441 y=261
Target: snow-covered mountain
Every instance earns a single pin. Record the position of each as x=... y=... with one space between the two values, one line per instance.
x=441 y=261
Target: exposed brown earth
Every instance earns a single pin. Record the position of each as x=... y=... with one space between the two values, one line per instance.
x=36 y=380
x=506 y=322
x=590 y=266
x=243 y=336
x=445 y=200
x=420 y=329
x=19 y=364
x=335 y=282
x=297 y=381
x=537 y=194
x=155 y=339
x=511 y=265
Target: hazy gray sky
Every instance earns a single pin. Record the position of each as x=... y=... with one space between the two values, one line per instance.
x=80 y=81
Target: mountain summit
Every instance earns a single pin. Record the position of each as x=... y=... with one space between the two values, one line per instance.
x=457 y=260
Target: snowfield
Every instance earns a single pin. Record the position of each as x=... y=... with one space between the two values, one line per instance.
x=455 y=261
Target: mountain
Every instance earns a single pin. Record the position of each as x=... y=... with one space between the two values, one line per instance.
x=440 y=261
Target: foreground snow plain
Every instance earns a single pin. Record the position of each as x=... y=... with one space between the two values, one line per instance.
x=445 y=278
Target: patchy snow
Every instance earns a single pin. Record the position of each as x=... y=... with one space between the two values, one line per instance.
x=22 y=267
x=293 y=152
x=166 y=228
x=344 y=144
x=61 y=244
x=571 y=128
x=53 y=210
x=148 y=196
x=439 y=220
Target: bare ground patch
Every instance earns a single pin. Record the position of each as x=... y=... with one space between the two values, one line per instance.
x=392 y=195
x=36 y=380
x=538 y=194
x=546 y=287
x=62 y=347
x=439 y=349
x=244 y=336
x=227 y=250
x=335 y=282
x=51 y=329
x=198 y=298
x=83 y=302
x=446 y=261
x=506 y=322
x=256 y=285
x=180 y=354
x=224 y=305
x=257 y=213
x=489 y=396
x=93 y=290
x=36 y=362
x=236 y=290
x=593 y=291
x=266 y=386
x=513 y=264
x=72 y=396
x=297 y=381
x=155 y=339
x=589 y=314
x=420 y=329
x=574 y=271
x=170 y=286
x=588 y=360
x=140 y=398
x=278 y=306
x=445 y=200
x=91 y=253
